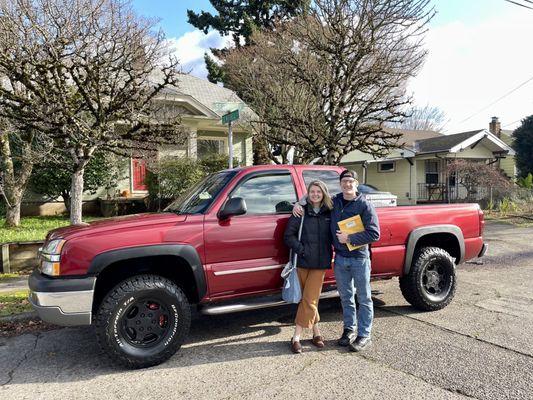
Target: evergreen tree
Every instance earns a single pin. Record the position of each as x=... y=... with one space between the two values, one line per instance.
x=239 y=19
x=523 y=145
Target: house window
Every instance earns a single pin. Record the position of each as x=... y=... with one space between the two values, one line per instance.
x=210 y=146
x=387 y=166
x=432 y=171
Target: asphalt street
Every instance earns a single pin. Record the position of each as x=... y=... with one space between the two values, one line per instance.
x=480 y=346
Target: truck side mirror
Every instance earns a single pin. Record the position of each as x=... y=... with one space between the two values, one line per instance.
x=234 y=206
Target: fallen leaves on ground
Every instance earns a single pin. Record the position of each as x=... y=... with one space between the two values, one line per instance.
x=33 y=325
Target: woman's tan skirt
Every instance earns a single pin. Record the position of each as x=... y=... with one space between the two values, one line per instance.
x=311 y=281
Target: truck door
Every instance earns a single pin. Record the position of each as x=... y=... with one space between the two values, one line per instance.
x=245 y=253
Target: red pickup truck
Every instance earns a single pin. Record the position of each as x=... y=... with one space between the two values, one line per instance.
x=220 y=247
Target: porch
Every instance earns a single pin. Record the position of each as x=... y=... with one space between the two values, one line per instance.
x=445 y=193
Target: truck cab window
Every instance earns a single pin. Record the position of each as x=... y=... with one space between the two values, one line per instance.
x=330 y=178
x=267 y=194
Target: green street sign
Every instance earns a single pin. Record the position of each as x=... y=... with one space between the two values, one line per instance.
x=231 y=116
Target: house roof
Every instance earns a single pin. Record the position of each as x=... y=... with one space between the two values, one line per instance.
x=217 y=99
x=460 y=141
x=209 y=94
x=443 y=142
x=410 y=136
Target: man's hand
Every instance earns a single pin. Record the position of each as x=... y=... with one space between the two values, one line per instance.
x=342 y=237
x=297 y=210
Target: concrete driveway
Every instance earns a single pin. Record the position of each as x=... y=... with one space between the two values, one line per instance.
x=480 y=346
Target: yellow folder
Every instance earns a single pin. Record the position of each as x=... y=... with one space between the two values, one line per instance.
x=351 y=225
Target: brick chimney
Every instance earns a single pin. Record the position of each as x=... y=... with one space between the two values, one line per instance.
x=495 y=127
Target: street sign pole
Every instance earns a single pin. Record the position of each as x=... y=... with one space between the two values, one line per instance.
x=230 y=145
x=228 y=119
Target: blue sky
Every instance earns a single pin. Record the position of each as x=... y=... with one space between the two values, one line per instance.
x=476 y=55
x=173 y=14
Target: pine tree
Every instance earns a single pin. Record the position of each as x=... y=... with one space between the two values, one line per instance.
x=523 y=145
x=239 y=19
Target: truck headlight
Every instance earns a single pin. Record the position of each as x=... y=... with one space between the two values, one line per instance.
x=51 y=257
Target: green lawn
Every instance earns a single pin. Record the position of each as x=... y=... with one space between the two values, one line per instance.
x=14 y=303
x=8 y=277
x=34 y=228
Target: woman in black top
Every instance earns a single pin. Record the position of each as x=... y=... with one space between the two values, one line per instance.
x=314 y=258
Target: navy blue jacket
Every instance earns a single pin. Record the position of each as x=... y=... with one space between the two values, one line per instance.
x=358 y=206
x=314 y=248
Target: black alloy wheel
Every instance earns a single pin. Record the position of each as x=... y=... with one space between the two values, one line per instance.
x=145 y=323
x=436 y=280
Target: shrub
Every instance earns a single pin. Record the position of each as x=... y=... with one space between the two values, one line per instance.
x=215 y=163
x=527 y=182
x=506 y=204
x=170 y=178
x=53 y=176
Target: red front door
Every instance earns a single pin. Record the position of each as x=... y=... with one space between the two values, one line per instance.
x=139 y=174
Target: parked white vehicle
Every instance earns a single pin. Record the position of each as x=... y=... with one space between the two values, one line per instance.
x=377 y=197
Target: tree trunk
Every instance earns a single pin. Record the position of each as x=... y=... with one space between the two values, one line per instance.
x=66 y=199
x=76 y=195
x=13 y=213
x=14 y=182
x=260 y=148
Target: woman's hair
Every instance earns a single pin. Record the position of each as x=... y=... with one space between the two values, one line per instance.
x=326 y=198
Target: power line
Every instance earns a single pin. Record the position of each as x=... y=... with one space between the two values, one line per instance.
x=521 y=5
x=497 y=100
x=514 y=122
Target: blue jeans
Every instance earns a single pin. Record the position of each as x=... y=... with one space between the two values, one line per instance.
x=353 y=273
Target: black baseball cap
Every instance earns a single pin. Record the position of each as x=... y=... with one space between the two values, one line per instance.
x=348 y=174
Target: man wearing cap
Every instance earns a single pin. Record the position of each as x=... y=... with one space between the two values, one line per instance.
x=352 y=268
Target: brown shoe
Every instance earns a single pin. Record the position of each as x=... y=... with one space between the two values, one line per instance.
x=318 y=341
x=296 y=347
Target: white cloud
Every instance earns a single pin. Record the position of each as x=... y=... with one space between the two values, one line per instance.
x=470 y=66
x=191 y=46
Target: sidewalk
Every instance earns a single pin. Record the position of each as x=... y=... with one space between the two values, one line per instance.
x=15 y=284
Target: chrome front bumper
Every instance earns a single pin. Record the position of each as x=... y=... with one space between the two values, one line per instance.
x=63 y=302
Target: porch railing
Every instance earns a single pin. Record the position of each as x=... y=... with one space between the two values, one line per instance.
x=442 y=193
x=432 y=192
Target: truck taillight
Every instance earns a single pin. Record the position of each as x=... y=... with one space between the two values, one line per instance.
x=481 y=222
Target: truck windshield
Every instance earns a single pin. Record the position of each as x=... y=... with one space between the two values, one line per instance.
x=198 y=199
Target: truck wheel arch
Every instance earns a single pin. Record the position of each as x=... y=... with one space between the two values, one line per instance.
x=182 y=251
x=418 y=233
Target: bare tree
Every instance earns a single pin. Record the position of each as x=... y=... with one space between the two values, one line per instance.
x=475 y=175
x=94 y=72
x=329 y=82
x=425 y=118
x=20 y=149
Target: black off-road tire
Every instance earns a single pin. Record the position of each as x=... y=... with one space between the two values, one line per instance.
x=143 y=321
x=431 y=282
